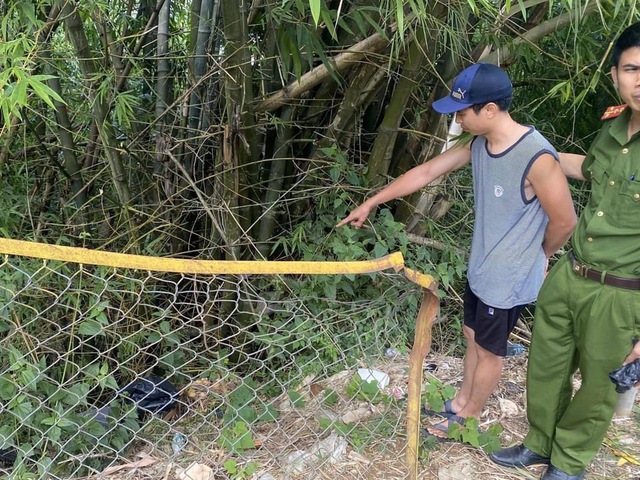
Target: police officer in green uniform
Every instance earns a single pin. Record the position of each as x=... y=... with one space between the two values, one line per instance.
x=588 y=312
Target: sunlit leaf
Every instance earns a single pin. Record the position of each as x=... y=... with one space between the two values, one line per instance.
x=315 y=6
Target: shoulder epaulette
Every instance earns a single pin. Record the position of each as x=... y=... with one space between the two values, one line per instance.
x=613 y=112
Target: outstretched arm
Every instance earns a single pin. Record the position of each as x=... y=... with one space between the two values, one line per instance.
x=412 y=181
x=551 y=187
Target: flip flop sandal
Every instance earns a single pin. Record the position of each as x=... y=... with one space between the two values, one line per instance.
x=448 y=411
x=444 y=427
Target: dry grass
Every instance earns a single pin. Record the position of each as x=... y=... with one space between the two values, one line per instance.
x=383 y=455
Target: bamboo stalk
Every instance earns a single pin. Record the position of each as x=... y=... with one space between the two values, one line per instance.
x=421 y=347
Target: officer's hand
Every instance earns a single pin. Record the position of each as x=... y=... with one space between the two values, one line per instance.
x=357 y=217
x=635 y=353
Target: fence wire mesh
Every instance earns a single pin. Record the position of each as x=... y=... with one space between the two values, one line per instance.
x=117 y=373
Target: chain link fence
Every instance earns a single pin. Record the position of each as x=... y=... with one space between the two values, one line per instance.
x=119 y=373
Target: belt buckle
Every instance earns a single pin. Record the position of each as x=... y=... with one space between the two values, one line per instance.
x=581 y=270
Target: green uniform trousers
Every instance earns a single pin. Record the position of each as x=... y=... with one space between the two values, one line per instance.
x=580 y=325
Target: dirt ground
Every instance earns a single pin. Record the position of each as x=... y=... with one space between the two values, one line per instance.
x=507 y=407
x=618 y=459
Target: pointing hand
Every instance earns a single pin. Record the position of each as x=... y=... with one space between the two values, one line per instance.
x=357 y=217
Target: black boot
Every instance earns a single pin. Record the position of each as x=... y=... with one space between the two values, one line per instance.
x=553 y=473
x=518 y=456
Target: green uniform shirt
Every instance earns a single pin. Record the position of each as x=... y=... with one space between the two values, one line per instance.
x=607 y=236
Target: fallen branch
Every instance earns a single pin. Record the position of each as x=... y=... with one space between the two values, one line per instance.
x=431 y=243
x=320 y=73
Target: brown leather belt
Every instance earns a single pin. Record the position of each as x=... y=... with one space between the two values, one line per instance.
x=587 y=272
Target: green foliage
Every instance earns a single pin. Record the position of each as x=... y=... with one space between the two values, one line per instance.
x=297 y=400
x=239 y=472
x=43 y=421
x=19 y=81
x=343 y=429
x=359 y=435
x=364 y=390
x=437 y=393
x=267 y=413
x=469 y=432
x=330 y=397
x=314 y=6
x=236 y=438
x=243 y=410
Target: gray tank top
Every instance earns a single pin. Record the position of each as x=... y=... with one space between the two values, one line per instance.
x=506 y=265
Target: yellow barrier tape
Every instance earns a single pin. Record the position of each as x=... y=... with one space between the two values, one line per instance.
x=424 y=322
x=210 y=267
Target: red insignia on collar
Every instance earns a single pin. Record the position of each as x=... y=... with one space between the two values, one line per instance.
x=613 y=112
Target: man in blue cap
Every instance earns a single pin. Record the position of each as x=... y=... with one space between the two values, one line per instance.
x=524 y=214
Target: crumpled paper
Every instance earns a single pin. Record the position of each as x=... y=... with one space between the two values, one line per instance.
x=195 y=471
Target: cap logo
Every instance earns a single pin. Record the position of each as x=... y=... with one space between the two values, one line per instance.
x=458 y=94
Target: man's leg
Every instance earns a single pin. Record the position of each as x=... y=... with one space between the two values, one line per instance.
x=491 y=328
x=552 y=358
x=470 y=302
x=483 y=382
x=469 y=367
x=483 y=361
x=605 y=322
x=552 y=361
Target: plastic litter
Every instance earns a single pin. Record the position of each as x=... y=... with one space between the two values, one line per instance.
x=626 y=376
x=431 y=367
x=391 y=352
x=100 y=415
x=8 y=456
x=368 y=375
x=178 y=443
x=395 y=392
x=332 y=449
x=152 y=394
x=195 y=471
x=515 y=349
x=626 y=401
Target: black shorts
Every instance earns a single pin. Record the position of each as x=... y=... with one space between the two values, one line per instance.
x=491 y=325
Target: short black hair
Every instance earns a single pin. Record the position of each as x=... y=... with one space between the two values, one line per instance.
x=503 y=104
x=629 y=38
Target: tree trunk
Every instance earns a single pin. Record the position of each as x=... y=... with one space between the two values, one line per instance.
x=281 y=156
x=75 y=31
x=421 y=49
x=240 y=128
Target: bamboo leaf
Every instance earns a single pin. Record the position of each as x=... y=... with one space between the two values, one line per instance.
x=90 y=327
x=400 y=17
x=345 y=26
x=124 y=108
x=523 y=9
x=19 y=93
x=285 y=52
x=377 y=27
x=315 y=11
x=43 y=90
x=328 y=21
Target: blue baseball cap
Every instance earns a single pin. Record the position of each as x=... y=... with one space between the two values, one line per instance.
x=479 y=83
